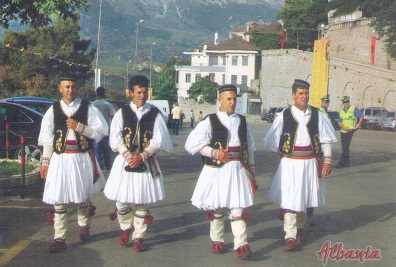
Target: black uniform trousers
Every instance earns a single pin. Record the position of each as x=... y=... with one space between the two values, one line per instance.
x=346 y=139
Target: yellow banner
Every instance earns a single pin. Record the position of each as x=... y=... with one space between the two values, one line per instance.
x=320 y=72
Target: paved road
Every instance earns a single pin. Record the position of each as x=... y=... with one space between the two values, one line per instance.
x=360 y=214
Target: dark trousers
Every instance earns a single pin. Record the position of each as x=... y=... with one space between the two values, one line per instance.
x=192 y=122
x=346 y=139
x=175 y=126
x=103 y=153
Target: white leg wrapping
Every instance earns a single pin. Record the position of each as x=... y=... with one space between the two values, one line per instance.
x=125 y=218
x=60 y=221
x=238 y=227
x=83 y=217
x=139 y=224
x=301 y=220
x=217 y=227
x=289 y=225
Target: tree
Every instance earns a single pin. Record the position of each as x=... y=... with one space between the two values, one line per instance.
x=206 y=88
x=266 y=41
x=384 y=12
x=305 y=16
x=301 y=19
x=38 y=13
x=37 y=58
x=165 y=87
x=114 y=94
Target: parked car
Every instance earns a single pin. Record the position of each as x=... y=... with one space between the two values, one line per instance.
x=333 y=116
x=373 y=117
x=271 y=114
x=22 y=121
x=277 y=111
x=39 y=104
x=389 y=121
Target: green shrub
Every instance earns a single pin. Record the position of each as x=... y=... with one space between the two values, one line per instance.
x=8 y=167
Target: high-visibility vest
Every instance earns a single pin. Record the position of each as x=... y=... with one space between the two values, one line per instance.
x=348 y=118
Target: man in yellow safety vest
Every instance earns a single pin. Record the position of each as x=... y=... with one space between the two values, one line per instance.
x=350 y=118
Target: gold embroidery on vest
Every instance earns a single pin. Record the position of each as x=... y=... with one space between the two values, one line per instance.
x=316 y=144
x=58 y=143
x=127 y=139
x=220 y=147
x=146 y=141
x=83 y=142
x=286 y=144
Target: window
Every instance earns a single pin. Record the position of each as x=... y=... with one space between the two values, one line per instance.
x=188 y=77
x=234 y=60
x=213 y=60
x=197 y=76
x=244 y=79
x=234 y=79
x=224 y=60
x=245 y=60
x=11 y=114
x=223 y=78
x=211 y=77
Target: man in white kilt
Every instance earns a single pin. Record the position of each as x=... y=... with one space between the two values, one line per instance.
x=69 y=165
x=226 y=185
x=138 y=131
x=303 y=136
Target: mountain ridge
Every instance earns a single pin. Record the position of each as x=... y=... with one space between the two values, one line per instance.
x=174 y=25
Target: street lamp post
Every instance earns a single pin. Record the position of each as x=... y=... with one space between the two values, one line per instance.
x=127 y=77
x=137 y=37
x=151 y=60
x=97 y=71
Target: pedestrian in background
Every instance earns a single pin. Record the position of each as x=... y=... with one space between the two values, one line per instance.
x=102 y=149
x=200 y=116
x=138 y=131
x=301 y=134
x=182 y=117
x=176 y=116
x=350 y=118
x=192 y=117
x=68 y=166
x=226 y=183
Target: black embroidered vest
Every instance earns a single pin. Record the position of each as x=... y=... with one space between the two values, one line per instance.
x=81 y=115
x=132 y=128
x=220 y=139
x=288 y=137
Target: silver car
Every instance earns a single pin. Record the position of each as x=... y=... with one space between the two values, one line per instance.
x=373 y=117
x=389 y=121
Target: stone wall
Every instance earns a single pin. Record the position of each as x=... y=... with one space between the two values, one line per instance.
x=350 y=72
x=367 y=85
x=279 y=68
x=352 y=41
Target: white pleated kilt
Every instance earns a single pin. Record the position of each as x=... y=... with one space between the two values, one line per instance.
x=133 y=187
x=296 y=185
x=70 y=179
x=224 y=187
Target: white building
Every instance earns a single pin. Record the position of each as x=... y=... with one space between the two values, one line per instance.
x=234 y=61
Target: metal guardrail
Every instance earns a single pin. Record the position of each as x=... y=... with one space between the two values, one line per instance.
x=7 y=132
x=23 y=155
